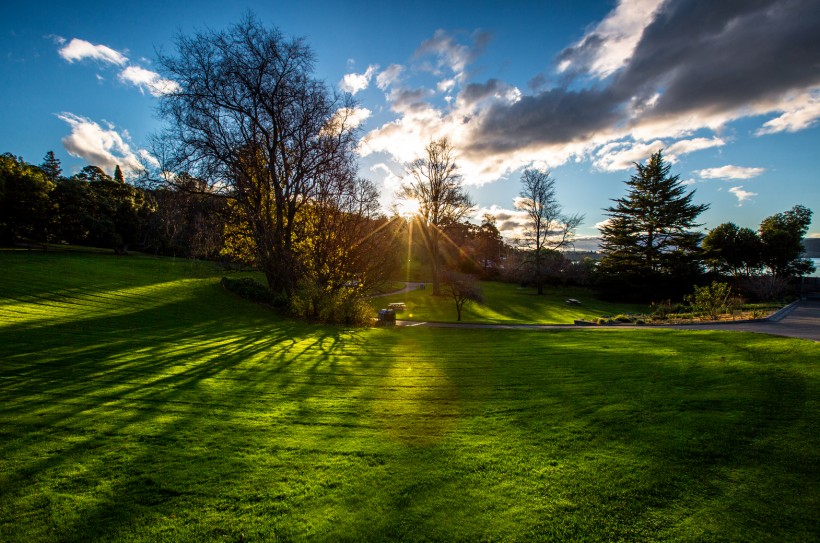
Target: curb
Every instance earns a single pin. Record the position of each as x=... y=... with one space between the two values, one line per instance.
x=781 y=313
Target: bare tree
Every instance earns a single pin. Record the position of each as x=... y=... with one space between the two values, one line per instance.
x=547 y=228
x=434 y=182
x=463 y=288
x=247 y=115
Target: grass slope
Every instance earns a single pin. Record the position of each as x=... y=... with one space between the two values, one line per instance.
x=506 y=303
x=140 y=402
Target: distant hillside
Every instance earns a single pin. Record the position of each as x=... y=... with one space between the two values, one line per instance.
x=812 y=246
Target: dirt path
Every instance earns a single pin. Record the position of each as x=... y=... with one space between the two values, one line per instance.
x=800 y=320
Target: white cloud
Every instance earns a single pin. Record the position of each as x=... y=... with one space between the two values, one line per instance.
x=683 y=147
x=389 y=76
x=618 y=156
x=730 y=172
x=78 y=49
x=511 y=223
x=799 y=112
x=742 y=195
x=354 y=83
x=148 y=80
x=148 y=158
x=609 y=45
x=101 y=147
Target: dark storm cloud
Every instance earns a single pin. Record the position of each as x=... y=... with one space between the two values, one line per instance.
x=475 y=92
x=721 y=55
x=700 y=57
x=408 y=99
x=508 y=226
x=554 y=116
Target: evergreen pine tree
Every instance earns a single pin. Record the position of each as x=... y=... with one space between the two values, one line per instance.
x=648 y=245
x=51 y=167
x=118 y=177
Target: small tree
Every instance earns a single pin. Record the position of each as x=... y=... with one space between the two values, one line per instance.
x=547 y=228
x=434 y=182
x=462 y=288
x=51 y=167
x=118 y=177
x=712 y=300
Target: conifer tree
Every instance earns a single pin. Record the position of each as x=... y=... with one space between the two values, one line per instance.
x=51 y=167
x=118 y=177
x=649 y=245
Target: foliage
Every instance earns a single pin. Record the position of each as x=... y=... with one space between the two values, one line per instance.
x=711 y=300
x=51 y=167
x=547 y=230
x=252 y=290
x=782 y=236
x=434 y=182
x=729 y=249
x=648 y=243
x=251 y=119
x=25 y=205
x=765 y=287
x=489 y=247
x=188 y=223
x=339 y=306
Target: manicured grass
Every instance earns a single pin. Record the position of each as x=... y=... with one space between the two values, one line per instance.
x=141 y=402
x=506 y=303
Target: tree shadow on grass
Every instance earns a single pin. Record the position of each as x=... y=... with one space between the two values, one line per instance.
x=218 y=424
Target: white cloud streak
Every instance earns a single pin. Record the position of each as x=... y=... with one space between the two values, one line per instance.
x=389 y=76
x=742 y=195
x=609 y=45
x=730 y=172
x=148 y=80
x=354 y=82
x=799 y=113
x=78 y=49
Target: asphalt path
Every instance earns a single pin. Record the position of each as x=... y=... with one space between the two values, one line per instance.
x=799 y=320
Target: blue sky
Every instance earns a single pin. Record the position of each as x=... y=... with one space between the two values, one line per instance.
x=730 y=89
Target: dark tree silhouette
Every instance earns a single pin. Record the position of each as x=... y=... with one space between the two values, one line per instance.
x=250 y=118
x=649 y=246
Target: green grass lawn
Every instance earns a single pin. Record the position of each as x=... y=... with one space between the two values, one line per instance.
x=141 y=402
x=506 y=303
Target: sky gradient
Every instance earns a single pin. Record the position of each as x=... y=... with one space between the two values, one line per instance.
x=730 y=90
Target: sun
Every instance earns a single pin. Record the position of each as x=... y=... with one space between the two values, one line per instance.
x=407 y=207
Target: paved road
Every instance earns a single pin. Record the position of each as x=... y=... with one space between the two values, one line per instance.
x=800 y=320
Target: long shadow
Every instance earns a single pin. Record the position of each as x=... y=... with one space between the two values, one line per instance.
x=221 y=425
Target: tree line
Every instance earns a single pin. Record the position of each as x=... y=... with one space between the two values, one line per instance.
x=257 y=165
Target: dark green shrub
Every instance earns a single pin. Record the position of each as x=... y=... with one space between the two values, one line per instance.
x=252 y=290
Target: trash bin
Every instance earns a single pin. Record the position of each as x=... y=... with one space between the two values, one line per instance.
x=387 y=317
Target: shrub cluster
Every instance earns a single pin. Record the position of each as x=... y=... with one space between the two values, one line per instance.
x=252 y=290
x=342 y=306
